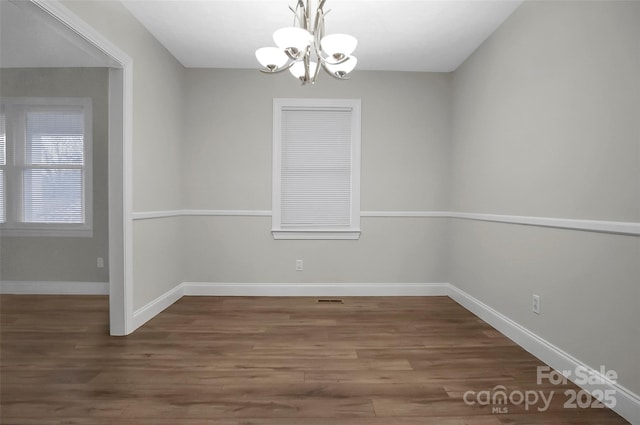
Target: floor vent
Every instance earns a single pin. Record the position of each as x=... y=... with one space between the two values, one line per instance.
x=329 y=301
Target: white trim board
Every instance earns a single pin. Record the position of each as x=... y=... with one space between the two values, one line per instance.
x=155 y=307
x=316 y=289
x=617 y=227
x=627 y=403
x=406 y=214
x=147 y=215
x=601 y=226
x=53 y=288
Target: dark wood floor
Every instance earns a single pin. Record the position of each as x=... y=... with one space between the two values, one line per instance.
x=266 y=361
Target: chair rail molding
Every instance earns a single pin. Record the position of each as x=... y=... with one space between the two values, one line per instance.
x=600 y=226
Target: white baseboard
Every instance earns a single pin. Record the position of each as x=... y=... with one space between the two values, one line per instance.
x=316 y=289
x=53 y=288
x=155 y=307
x=627 y=403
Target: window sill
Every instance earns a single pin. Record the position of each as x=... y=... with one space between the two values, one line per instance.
x=316 y=234
x=16 y=232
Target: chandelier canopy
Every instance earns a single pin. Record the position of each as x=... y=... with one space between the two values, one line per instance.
x=303 y=46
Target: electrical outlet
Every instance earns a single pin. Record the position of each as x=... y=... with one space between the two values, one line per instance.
x=100 y=262
x=299 y=265
x=535 y=304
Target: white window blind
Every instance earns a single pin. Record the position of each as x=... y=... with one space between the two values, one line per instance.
x=45 y=167
x=316 y=169
x=3 y=163
x=54 y=165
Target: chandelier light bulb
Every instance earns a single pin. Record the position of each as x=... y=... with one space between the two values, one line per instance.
x=338 y=46
x=297 y=69
x=292 y=39
x=342 y=69
x=271 y=58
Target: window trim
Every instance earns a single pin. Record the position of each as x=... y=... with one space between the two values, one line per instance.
x=353 y=231
x=15 y=109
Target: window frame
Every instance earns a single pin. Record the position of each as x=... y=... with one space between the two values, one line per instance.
x=337 y=233
x=15 y=110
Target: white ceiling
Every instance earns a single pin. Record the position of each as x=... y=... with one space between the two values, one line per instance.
x=393 y=35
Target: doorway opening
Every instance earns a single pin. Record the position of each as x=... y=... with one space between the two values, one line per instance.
x=43 y=41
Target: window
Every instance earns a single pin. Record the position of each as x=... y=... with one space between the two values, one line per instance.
x=316 y=169
x=45 y=167
x=3 y=165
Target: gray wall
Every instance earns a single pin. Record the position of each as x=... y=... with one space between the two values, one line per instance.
x=546 y=124
x=227 y=166
x=157 y=145
x=63 y=259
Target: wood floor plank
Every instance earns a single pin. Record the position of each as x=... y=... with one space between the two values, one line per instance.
x=265 y=361
x=398 y=377
x=425 y=407
x=200 y=377
x=340 y=391
x=478 y=420
x=281 y=407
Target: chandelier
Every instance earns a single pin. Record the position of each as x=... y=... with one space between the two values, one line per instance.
x=303 y=48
